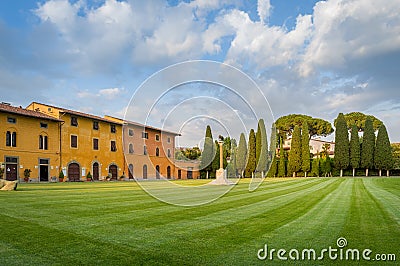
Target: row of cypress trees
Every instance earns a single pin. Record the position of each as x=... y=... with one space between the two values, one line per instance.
x=368 y=152
x=374 y=152
x=246 y=159
x=299 y=155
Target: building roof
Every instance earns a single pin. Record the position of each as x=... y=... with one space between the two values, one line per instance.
x=127 y=122
x=5 y=107
x=77 y=113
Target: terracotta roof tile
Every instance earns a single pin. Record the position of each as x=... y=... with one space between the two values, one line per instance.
x=77 y=113
x=21 y=111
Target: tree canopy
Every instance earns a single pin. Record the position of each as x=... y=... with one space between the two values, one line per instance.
x=316 y=126
x=358 y=119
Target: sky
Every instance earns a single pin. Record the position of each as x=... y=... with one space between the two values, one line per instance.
x=318 y=58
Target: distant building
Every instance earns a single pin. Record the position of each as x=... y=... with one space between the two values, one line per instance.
x=316 y=146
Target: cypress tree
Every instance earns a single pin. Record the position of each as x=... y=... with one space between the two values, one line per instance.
x=368 y=146
x=383 y=151
x=258 y=144
x=315 y=167
x=342 y=152
x=295 y=152
x=262 y=161
x=354 y=149
x=282 y=163
x=241 y=155
x=215 y=162
x=272 y=142
x=251 y=155
x=232 y=163
x=305 y=146
x=273 y=170
x=208 y=153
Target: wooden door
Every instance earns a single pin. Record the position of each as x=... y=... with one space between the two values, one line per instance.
x=96 y=173
x=74 y=172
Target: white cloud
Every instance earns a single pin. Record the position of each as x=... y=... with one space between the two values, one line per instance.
x=263 y=9
x=345 y=31
x=110 y=93
x=261 y=46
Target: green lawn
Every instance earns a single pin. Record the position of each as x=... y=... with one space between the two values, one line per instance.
x=118 y=223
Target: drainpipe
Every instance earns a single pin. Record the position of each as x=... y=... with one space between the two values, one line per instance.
x=60 y=140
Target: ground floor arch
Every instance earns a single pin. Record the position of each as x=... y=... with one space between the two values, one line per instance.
x=74 y=172
x=113 y=170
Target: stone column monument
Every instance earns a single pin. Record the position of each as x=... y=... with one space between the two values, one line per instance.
x=221 y=173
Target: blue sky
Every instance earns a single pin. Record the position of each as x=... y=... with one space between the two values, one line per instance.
x=313 y=57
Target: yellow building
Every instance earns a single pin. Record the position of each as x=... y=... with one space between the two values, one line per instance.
x=30 y=141
x=88 y=144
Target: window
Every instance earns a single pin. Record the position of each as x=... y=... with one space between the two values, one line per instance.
x=43 y=142
x=169 y=153
x=113 y=129
x=113 y=146
x=157 y=137
x=43 y=125
x=74 y=121
x=11 y=160
x=157 y=151
x=43 y=161
x=11 y=139
x=144 y=150
x=95 y=144
x=130 y=132
x=157 y=171
x=145 y=135
x=11 y=120
x=130 y=148
x=74 y=141
x=96 y=125
x=169 y=140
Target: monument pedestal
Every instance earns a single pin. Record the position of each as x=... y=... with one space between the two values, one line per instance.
x=221 y=178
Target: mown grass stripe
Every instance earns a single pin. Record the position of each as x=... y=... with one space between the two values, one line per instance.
x=369 y=225
x=389 y=201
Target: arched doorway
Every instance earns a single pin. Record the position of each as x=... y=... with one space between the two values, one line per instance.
x=169 y=172
x=130 y=171
x=96 y=172
x=74 y=172
x=157 y=171
x=113 y=170
x=145 y=171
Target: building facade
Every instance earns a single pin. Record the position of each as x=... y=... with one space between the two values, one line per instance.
x=149 y=152
x=30 y=142
x=47 y=140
